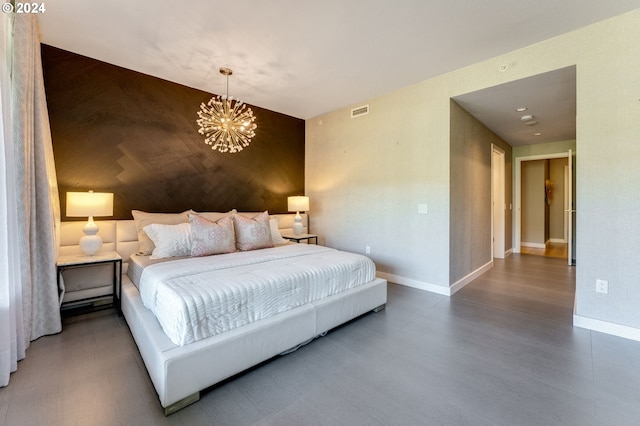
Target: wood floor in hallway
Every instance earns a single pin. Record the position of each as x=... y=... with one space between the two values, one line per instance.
x=550 y=250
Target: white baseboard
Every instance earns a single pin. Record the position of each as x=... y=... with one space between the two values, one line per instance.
x=434 y=288
x=613 y=329
x=533 y=245
x=557 y=240
x=409 y=282
x=508 y=253
x=459 y=285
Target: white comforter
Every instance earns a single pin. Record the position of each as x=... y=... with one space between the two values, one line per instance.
x=196 y=298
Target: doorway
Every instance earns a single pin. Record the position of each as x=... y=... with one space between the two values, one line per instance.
x=498 y=205
x=544 y=188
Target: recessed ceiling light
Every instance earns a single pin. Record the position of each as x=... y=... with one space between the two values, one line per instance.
x=537 y=134
x=527 y=117
x=521 y=109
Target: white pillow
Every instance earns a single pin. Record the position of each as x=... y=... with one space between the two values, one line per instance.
x=169 y=240
x=276 y=237
x=143 y=219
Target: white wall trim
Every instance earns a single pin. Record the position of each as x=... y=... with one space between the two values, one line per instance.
x=557 y=240
x=459 y=285
x=508 y=253
x=434 y=288
x=409 y=282
x=534 y=245
x=611 y=328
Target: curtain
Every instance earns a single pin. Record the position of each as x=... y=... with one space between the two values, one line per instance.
x=30 y=203
x=12 y=345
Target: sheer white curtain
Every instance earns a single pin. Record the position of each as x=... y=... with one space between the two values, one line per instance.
x=12 y=341
x=29 y=210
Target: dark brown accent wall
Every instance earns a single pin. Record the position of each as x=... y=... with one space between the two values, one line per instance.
x=117 y=130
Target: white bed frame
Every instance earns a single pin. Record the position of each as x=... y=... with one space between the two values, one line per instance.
x=179 y=373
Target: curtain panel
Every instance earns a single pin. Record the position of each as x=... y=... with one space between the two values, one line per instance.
x=30 y=202
x=12 y=344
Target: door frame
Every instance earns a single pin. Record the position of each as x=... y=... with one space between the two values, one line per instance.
x=517 y=211
x=498 y=206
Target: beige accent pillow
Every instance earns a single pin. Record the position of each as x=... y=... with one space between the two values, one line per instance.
x=209 y=237
x=214 y=216
x=252 y=233
x=276 y=236
x=143 y=219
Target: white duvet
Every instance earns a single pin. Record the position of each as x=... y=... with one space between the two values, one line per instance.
x=196 y=298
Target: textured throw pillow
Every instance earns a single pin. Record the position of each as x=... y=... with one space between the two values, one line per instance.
x=143 y=219
x=252 y=233
x=276 y=237
x=209 y=237
x=169 y=240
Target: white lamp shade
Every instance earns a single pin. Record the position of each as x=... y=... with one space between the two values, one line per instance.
x=88 y=204
x=298 y=203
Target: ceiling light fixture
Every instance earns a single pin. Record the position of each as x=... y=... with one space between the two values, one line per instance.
x=227 y=124
x=526 y=118
x=521 y=109
x=537 y=134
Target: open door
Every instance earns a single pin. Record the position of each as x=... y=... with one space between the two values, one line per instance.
x=498 y=202
x=570 y=212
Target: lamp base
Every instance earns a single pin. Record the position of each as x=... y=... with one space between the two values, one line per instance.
x=91 y=243
x=297 y=224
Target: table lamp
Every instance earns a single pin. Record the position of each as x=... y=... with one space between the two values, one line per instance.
x=90 y=204
x=298 y=204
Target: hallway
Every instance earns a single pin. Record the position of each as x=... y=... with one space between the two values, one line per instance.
x=534 y=285
x=551 y=250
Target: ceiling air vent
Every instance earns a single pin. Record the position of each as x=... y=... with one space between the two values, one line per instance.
x=361 y=110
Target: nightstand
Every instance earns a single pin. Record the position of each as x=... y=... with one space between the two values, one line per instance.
x=66 y=262
x=301 y=237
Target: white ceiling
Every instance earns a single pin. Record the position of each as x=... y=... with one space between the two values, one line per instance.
x=549 y=98
x=305 y=58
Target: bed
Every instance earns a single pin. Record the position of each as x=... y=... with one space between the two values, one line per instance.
x=188 y=353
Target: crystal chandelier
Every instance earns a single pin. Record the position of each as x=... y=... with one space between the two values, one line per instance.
x=227 y=124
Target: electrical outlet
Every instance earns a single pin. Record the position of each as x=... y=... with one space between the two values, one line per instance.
x=602 y=286
x=367 y=250
x=423 y=208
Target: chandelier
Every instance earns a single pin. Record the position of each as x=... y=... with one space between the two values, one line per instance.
x=227 y=124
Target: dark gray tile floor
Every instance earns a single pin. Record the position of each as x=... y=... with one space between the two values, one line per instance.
x=502 y=351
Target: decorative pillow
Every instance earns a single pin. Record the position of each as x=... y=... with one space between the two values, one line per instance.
x=143 y=219
x=209 y=237
x=169 y=240
x=252 y=233
x=276 y=237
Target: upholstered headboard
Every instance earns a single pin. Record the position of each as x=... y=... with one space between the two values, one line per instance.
x=120 y=236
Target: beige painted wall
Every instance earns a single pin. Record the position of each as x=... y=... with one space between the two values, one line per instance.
x=533 y=209
x=366 y=176
x=543 y=148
